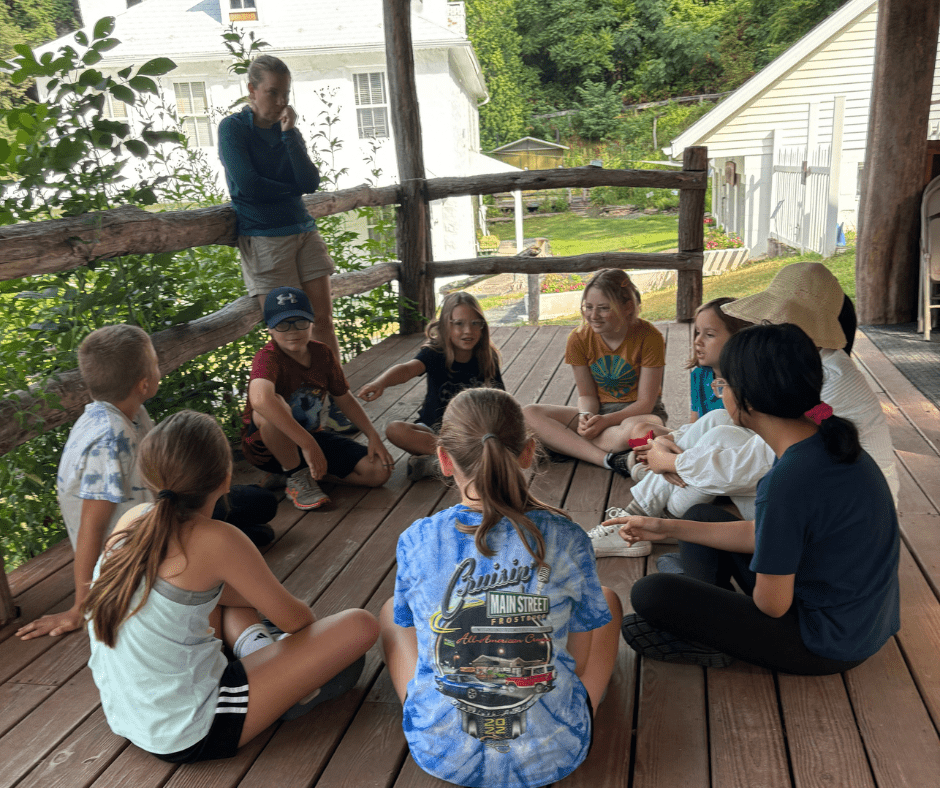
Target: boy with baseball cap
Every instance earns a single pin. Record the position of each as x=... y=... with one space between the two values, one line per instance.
x=290 y=378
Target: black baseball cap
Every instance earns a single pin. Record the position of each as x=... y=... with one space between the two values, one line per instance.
x=283 y=303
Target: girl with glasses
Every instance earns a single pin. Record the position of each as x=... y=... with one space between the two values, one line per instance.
x=617 y=360
x=457 y=354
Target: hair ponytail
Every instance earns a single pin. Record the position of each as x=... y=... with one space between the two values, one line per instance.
x=182 y=461
x=484 y=433
x=840 y=438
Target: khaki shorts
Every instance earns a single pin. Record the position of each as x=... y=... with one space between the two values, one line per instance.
x=658 y=409
x=283 y=261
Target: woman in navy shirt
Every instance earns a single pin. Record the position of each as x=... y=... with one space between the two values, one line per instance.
x=819 y=566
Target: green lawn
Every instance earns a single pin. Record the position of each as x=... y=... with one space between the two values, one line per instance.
x=570 y=234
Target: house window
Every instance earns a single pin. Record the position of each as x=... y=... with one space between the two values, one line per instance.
x=371 y=105
x=114 y=109
x=242 y=11
x=193 y=108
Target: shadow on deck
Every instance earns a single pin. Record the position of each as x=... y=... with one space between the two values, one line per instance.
x=660 y=725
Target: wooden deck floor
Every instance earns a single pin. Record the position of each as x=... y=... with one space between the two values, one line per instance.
x=660 y=726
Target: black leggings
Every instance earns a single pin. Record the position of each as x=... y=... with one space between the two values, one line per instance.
x=701 y=606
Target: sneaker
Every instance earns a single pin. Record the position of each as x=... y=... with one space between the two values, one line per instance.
x=607 y=541
x=650 y=642
x=421 y=466
x=638 y=470
x=274 y=630
x=620 y=462
x=274 y=481
x=305 y=492
x=337 y=422
x=344 y=680
x=670 y=564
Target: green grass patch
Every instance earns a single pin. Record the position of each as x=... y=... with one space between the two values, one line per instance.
x=570 y=234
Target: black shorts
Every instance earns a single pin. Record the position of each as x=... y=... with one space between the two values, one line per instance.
x=342 y=453
x=222 y=739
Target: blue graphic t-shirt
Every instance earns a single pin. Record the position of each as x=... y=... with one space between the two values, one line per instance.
x=617 y=372
x=702 y=396
x=495 y=702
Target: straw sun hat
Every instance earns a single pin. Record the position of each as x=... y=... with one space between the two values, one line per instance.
x=806 y=294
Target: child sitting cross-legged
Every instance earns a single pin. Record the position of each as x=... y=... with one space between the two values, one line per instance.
x=98 y=480
x=290 y=378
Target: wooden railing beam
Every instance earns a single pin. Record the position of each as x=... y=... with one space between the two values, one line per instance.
x=575 y=264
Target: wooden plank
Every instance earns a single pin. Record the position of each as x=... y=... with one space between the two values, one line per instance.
x=587 y=494
x=134 y=768
x=923 y=415
x=80 y=758
x=824 y=744
x=374 y=747
x=68 y=655
x=40 y=599
x=925 y=470
x=16 y=654
x=672 y=724
x=745 y=731
x=41 y=731
x=25 y=576
x=18 y=700
x=919 y=637
x=900 y=739
x=676 y=378
x=220 y=774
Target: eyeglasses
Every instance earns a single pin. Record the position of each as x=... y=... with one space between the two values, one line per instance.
x=294 y=324
x=718 y=386
x=460 y=325
x=600 y=311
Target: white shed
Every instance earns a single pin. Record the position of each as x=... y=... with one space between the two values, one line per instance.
x=787 y=148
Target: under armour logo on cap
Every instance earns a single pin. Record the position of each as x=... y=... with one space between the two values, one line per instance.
x=283 y=303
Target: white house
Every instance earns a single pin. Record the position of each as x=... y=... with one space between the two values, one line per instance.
x=328 y=45
x=788 y=146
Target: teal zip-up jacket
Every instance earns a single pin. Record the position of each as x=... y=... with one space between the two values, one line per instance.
x=267 y=172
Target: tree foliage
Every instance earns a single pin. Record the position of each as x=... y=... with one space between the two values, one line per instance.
x=498 y=48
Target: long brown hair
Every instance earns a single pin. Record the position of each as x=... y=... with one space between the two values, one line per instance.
x=485 y=352
x=182 y=460
x=491 y=463
x=733 y=324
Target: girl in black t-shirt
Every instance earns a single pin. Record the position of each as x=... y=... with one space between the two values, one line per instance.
x=458 y=354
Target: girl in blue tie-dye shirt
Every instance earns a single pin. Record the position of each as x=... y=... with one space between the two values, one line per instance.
x=500 y=640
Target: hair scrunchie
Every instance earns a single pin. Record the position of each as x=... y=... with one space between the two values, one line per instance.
x=167 y=495
x=486 y=437
x=819 y=413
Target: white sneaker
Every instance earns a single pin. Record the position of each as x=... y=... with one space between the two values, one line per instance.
x=305 y=492
x=607 y=541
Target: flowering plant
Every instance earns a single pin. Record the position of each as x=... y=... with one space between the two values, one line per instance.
x=717 y=238
x=558 y=283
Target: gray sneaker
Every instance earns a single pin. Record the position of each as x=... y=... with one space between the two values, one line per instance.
x=607 y=541
x=305 y=492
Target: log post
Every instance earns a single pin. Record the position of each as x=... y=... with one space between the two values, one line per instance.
x=8 y=611
x=887 y=264
x=534 y=293
x=691 y=234
x=414 y=220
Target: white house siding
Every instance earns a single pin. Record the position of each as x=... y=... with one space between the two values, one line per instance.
x=841 y=66
x=324 y=42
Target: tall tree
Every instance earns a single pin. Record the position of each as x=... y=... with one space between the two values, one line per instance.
x=567 y=42
x=491 y=28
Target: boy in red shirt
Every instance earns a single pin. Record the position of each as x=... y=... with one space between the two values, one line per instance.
x=290 y=378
